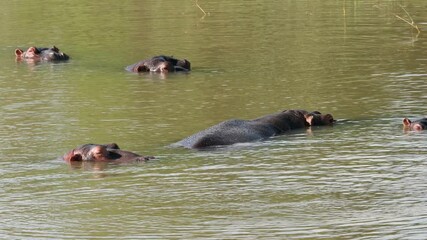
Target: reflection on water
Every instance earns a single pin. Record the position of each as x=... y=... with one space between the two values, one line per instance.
x=361 y=179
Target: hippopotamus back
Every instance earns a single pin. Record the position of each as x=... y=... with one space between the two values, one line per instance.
x=227 y=133
x=240 y=131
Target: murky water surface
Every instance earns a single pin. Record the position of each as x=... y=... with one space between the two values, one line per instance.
x=364 y=178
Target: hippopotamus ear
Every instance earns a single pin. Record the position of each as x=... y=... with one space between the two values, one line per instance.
x=309 y=119
x=33 y=49
x=406 y=122
x=18 y=52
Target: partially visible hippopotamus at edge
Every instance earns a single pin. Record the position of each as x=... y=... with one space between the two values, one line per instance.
x=240 y=131
x=41 y=54
x=103 y=153
x=417 y=125
x=162 y=64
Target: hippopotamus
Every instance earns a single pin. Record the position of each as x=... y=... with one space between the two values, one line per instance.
x=240 y=131
x=41 y=54
x=417 y=125
x=162 y=64
x=103 y=153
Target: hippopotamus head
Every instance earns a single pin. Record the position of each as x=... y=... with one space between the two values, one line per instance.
x=41 y=54
x=102 y=152
x=317 y=119
x=156 y=66
x=418 y=125
x=160 y=64
x=183 y=65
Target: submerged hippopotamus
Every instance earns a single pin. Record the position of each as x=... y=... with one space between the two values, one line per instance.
x=41 y=54
x=417 y=125
x=162 y=64
x=239 y=131
x=104 y=153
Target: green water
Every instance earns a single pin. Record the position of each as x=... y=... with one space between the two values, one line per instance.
x=361 y=179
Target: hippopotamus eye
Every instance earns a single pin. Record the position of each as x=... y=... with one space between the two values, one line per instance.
x=35 y=50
